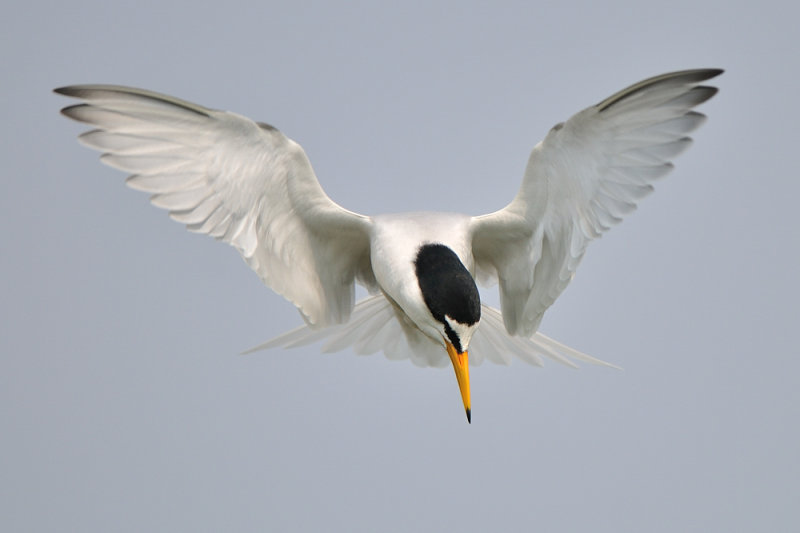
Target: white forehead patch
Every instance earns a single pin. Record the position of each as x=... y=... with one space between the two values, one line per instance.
x=463 y=331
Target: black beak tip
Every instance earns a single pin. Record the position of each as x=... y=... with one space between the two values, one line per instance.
x=469 y=416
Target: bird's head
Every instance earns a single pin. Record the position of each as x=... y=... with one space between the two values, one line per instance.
x=452 y=298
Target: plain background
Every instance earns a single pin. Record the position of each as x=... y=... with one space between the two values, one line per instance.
x=126 y=407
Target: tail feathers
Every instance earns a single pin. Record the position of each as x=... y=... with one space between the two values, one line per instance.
x=375 y=325
x=552 y=347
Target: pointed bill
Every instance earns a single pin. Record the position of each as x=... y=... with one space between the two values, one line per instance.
x=461 y=366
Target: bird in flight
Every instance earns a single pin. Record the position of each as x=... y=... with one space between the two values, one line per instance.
x=247 y=184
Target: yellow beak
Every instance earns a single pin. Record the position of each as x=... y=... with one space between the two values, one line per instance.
x=461 y=366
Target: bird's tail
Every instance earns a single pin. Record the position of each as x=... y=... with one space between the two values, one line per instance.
x=375 y=325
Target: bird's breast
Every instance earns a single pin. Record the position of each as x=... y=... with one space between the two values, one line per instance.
x=395 y=242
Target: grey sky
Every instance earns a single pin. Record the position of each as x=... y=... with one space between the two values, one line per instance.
x=125 y=406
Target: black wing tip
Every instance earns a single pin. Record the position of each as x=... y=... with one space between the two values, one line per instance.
x=695 y=75
x=89 y=91
x=80 y=91
x=700 y=74
x=692 y=76
x=704 y=92
x=73 y=111
x=713 y=72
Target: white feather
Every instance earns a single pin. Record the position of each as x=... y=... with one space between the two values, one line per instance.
x=238 y=181
x=586 y=175
x=373 y=324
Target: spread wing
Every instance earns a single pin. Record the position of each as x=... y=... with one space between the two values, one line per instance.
x=241 y=182
x=580 y=180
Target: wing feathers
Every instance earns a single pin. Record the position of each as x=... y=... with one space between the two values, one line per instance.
x=118 y=95
x=662 y=82
x=238 y=181
x=586 y=175
x=166 y=182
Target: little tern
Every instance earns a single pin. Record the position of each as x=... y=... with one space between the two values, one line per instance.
x=247 y=184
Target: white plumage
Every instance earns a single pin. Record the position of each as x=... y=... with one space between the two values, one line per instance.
x=249 y=185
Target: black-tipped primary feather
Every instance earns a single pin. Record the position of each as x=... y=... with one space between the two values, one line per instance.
x=672 y=78
x=120 y=93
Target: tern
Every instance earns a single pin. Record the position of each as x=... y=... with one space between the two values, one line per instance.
x=249 y=185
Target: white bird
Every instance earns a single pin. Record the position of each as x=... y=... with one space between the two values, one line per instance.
x=249 y=185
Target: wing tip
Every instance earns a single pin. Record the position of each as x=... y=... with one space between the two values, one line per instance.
x=712 y=72
x=73 y=111
x=703 y=93
x=691 y=76
x=698 y=74
x=84 y=90
x=90 y=91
